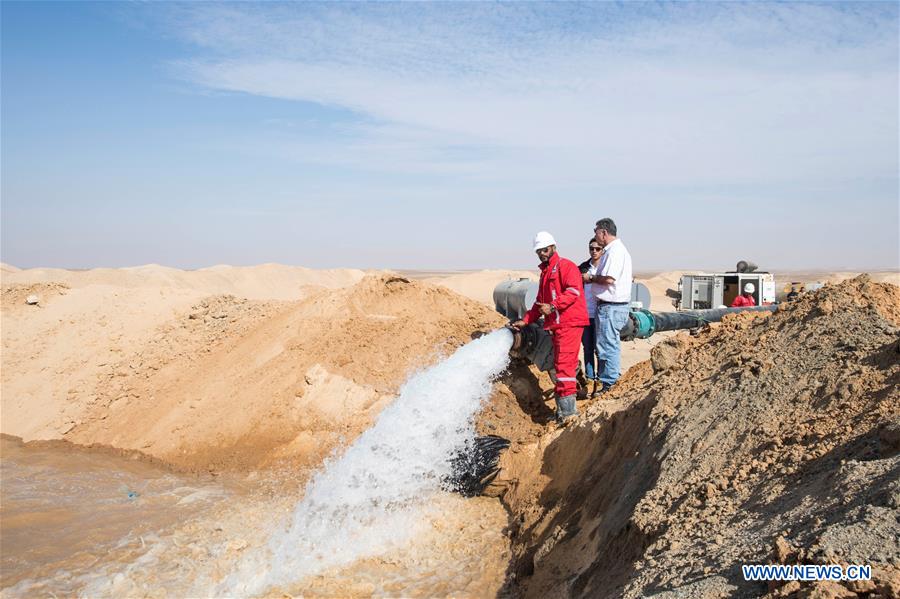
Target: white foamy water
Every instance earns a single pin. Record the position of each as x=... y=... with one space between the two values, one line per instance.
x=374 y=496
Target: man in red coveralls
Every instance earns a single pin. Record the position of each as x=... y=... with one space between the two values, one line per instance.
x=745 y=299
x=560 y=300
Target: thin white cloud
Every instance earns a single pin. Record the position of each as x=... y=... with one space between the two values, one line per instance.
x=690 y=95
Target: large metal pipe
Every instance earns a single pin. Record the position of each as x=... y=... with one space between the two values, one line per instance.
x=534 y=344
x=643 y=323
x=691 y=319
x=513 y=298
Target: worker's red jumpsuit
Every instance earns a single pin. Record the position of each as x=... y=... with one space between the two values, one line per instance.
x=742 y=301
x=561 y=286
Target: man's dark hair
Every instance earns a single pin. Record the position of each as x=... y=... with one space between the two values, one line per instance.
x=607 y=225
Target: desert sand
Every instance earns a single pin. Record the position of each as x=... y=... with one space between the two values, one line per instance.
x=105 y=343
x=89 y=348
x=242 y=369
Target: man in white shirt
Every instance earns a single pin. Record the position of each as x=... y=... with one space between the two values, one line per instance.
x=611 y=287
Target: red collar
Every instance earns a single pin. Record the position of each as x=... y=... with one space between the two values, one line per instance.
x=554 y=260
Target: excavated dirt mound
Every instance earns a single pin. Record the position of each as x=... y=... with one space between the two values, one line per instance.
x=228 y=383
x=765 y=439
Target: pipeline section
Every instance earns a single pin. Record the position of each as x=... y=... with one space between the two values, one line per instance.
x=533 y=343
x=644 y=323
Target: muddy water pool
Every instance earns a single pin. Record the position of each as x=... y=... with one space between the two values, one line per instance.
x=78 y=522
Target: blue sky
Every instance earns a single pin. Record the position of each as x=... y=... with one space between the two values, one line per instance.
x=443 y=136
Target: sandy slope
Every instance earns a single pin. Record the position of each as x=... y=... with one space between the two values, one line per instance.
x=55 y=353
x=162 y=361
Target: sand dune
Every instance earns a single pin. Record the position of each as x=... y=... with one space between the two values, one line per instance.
x=266 y=281
x=479 y=285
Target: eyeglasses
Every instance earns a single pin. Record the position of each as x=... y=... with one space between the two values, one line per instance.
x=594 y=248
x=542 y=250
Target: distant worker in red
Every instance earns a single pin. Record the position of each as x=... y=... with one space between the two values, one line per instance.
x=745 y=299
x=560 y=300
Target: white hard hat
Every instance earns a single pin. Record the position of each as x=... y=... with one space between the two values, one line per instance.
x=749 y=288
x=542 y=240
